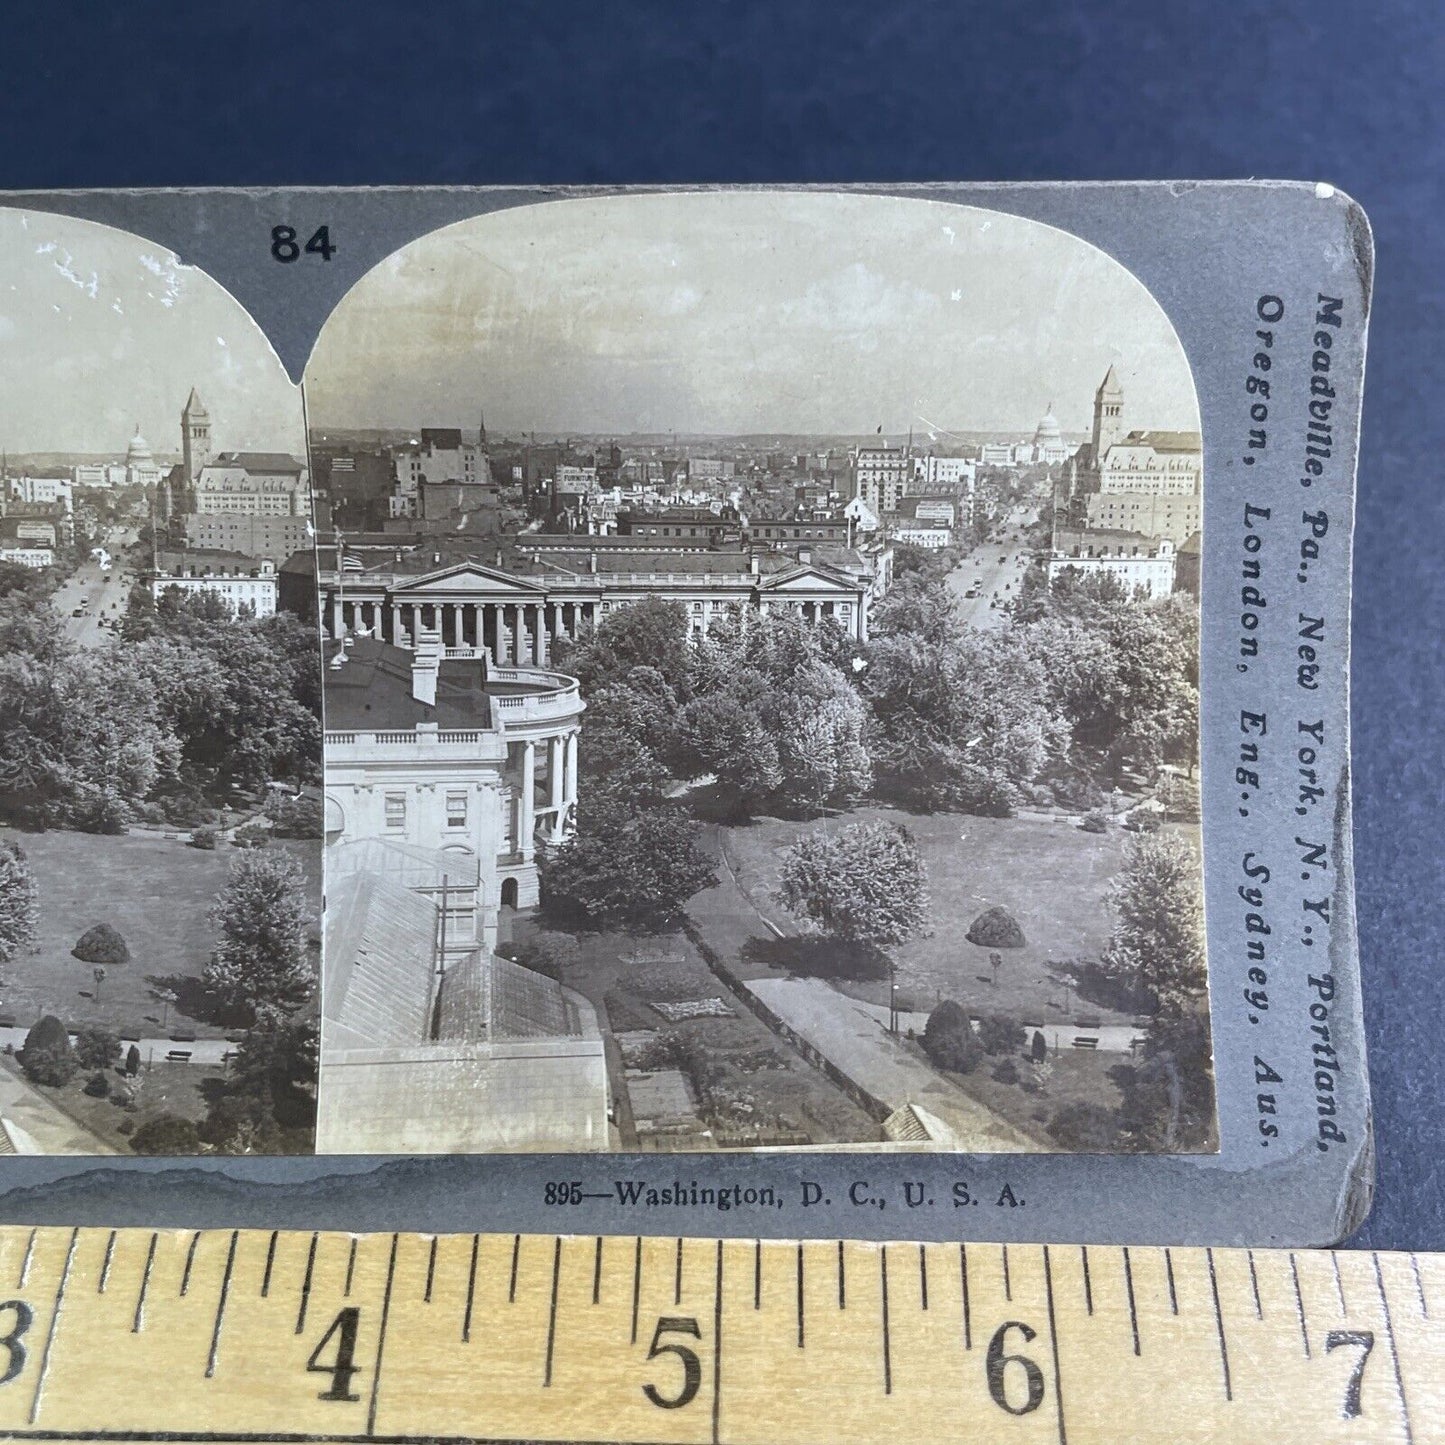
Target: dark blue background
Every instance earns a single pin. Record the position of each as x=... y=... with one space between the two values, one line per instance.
x=697 y=90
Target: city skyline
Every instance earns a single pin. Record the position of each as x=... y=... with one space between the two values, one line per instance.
x=102 y=331
x=760 y=313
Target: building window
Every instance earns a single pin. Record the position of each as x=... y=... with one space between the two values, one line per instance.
x=456 y=810
x=396 y=810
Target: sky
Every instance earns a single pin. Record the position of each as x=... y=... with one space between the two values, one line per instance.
x=745 y=312
x=101 y=330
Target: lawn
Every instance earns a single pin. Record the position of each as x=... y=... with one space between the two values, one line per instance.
x=155 y=891
x=165 y=1089
x=1051 y=876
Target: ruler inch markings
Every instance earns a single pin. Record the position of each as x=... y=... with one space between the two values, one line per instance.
x=221 y=1306
x=381 y=1341
x=717 y=1312
x=1394 y=1353
x=53 y=1326
x=306 y=1284
x=471 y=1290
x=887 y=1343
x=1219 y=1326
x=1054 y=1345
x=963 y=1279
x=105 y=1264
x=68 y=1383
x=145 y=1278
x=270 y=1263
x=1129 y=1290
x=190 y=1263
x=1299 y=1304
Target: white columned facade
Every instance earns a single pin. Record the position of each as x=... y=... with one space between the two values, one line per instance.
x=527 y=820
x=539 y=639
x=569 y=773
x=556 y=761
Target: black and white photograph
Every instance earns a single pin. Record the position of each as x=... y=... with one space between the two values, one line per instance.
x=760 y=655
x=160 y=735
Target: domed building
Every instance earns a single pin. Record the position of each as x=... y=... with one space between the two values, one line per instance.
x=1049 y=444
x=140 y=463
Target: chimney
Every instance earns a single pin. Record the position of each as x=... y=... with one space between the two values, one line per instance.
x=805 y=554
x=426 y=659
x=753 y=564
x=592 y=561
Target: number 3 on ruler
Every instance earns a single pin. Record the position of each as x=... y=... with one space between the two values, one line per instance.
x=11 y=1341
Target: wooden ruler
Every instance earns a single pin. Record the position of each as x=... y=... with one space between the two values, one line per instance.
x=400 y=1338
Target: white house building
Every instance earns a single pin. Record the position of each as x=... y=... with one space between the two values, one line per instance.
x=435 y=747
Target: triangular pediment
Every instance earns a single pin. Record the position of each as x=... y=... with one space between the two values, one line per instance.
x=470 y=579
x=809 y=579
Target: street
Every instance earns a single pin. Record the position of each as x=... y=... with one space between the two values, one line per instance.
x=95 y=593
x=992 y=571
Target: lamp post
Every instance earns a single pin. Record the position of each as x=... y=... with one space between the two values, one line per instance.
x=98 y=974
x=892 y=998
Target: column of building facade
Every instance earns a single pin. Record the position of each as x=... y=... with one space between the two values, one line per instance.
x=336 y=625
x=527 y=821
x=556 y=762
x=569 y=776
x=539 y=638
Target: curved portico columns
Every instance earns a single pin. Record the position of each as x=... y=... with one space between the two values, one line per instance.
x=527 y=823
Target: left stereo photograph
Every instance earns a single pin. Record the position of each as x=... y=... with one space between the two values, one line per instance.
x=160 y=754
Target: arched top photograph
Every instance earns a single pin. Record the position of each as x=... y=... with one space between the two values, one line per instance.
x=792 y=598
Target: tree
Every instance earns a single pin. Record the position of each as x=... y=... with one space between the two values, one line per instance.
x=46 y=1056
x=166 y=1134
x=1158 y=937
x=132 y=1061
x=268 y=1103
x=1168 y=1095
x=101 y=944
x=866 y=884
x=962 y=718
x=261 y=958
x=949 y=1040
x=294 y=817
x=19 y=910
x=624 y=869
x=1083 y=1128
x=652 y=633
x=96 y=1048
x=81 y=740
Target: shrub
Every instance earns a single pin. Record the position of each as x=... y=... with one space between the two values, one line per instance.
x=999 y=1034
x=294 y=817
x=126 y=1126
x=97 y=1086
x=203 y=838
x=96 y=1048
x=1142 y=820
x=47 y=1057
x=949 y=1039
x=1006 y=1072
x=1085 y=1129
x=132 y=1061
x=1095 y=822
x=101 y=944
x=253 y=835
x=166 y=1134
x=996 y=928
x=1038 y=1047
